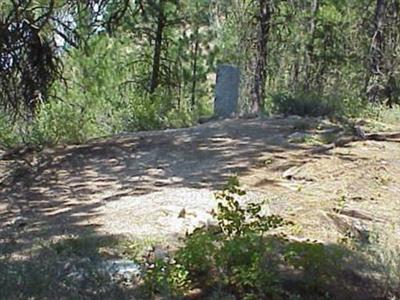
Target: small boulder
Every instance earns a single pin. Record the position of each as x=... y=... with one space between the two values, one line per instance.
x=298 y=137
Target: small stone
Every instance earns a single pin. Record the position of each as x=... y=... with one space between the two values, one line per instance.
x=329 y=130
x=149 y=249
x=77 y=275
x=121 y=268
x=182 y=213
x=297 y=137
x=293 y=118
x=194 y=294
x=211 y=222
x=160 y=254
x=20 y=222
x=360 y=132
x=291 y=172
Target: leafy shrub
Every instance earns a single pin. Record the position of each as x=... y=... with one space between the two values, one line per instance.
x=240 y=257
x=103 y=95
x=306 y=104
x=8 y=137
x=319 y=264
x=232 y=256
x=383 y=113
x=66 y=122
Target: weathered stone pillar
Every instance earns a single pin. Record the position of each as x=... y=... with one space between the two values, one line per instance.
x=226 y=91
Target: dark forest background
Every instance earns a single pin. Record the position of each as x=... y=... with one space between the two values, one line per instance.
x=73 y=70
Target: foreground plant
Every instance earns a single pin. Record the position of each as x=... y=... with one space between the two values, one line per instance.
x=233 y=256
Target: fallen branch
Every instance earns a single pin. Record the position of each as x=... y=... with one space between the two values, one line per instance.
x=344 y=140
x=385 y=136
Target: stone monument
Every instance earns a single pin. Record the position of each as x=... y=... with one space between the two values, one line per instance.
x=226 y=91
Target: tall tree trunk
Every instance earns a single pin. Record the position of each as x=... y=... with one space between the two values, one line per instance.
x=392 y=41
x=194 y=71
x=376 y=55
x=259 y=63
x=310 y=78
x=155 y=74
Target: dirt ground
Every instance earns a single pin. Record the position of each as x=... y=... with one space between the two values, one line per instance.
x=160 y=184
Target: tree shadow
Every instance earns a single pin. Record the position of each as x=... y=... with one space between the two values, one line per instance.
x=61 y=190
x=67 y=269
x=70 y=269
x=284 y=269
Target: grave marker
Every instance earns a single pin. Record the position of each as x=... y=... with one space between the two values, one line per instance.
x=226 y=91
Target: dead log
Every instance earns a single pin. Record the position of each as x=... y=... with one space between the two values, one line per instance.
x=384 y=136
x=344 y=140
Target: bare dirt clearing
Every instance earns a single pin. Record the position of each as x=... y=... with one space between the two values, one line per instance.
x=160 y=184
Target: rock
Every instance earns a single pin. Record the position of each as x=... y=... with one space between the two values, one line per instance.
x=76 y=276
x=121 y=268
x=199 y=218
x=182 y=213
x=108 y=253
x=19 y=222
x=349 y=226
x=298 y=137
x=160 y=254
x=211 y=223
x=194 y=294
x=357 y=214
x=156 y=253
x=291 y=172
x=325 y=124
x=293 y=118
x=331 y=130
x=360 y=132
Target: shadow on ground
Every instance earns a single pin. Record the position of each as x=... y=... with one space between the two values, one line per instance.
x=61 y=190
x=69 y=269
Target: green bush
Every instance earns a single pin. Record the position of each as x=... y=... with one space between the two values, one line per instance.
x=383 y=113
x=240 y=257
x=306 y=104
x=8 y=137
x=103 y=95
x=232 y=256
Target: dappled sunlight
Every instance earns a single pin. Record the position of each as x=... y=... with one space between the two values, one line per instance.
x=117 y=185
x=70 y=186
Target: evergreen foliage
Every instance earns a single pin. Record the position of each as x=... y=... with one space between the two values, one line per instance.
x=84 y=70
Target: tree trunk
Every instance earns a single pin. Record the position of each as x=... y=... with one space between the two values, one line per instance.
x=194 y=72
x=259 y=63
x=310 y=57
x=392 y=39
x=155 y=75
x=376 y=56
